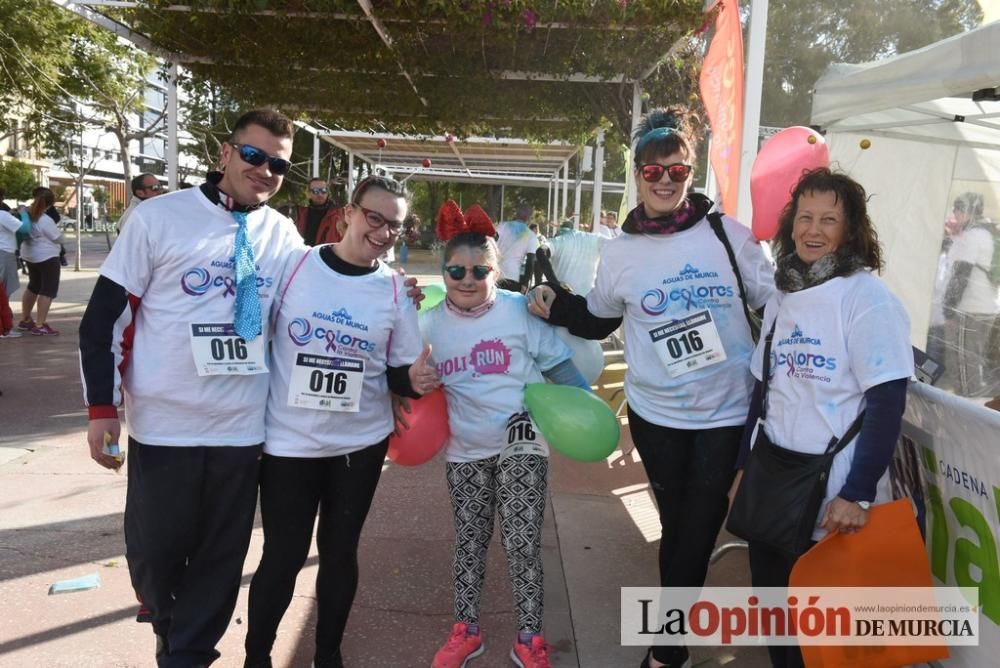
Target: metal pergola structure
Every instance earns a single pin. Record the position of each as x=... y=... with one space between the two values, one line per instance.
x=545 y=67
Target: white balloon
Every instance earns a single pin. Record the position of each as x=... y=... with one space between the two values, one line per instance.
x=587 y=355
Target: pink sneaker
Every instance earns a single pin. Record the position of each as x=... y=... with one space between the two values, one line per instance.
x=459 y=648
x=44 y=330
x=535 y=655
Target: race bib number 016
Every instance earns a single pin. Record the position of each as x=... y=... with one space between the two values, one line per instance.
x=523 y=437
x=326 y=383
x=688 y=344
x=219 y=351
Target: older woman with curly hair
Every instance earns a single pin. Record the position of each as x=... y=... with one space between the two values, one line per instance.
x=831 y=379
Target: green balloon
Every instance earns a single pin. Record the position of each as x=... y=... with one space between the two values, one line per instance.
x=433 y=295
x=575 y=422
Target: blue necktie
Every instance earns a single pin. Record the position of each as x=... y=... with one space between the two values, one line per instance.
x=247 y=322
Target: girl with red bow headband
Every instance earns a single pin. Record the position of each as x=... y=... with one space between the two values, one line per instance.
x=486 y=349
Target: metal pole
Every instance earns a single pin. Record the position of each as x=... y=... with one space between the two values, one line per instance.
x=502 y=188
x=579 y=191
x=79 y=199
x=565 y=191
x=173 y=167
x=598 y=180
x=315 y=156
x=710 y=179
x=350 y=174
x=632 y=195
x=751 y=105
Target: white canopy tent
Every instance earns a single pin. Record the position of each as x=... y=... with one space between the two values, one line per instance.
x=933 y=120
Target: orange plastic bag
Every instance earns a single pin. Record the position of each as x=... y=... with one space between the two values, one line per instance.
x=888 y=552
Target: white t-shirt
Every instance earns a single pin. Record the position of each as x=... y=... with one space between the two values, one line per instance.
x=607 y=232
x=484 y=364
x=176 y=255
x=574 y=259
x=515 y=240
x=127 y=213
x=326 y=322
x=975 y=246
x=43 y=241
x=832 y=343
x=658 y=281
x=9 y=225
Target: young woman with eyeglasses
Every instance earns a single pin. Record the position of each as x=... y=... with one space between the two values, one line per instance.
x=345 y=335
x=486 y=349
x=671 y=276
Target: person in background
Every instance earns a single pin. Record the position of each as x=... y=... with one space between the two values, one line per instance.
x=831 y=309
x=321 y=222
x=608 y=227
x=410 y=236
x=677 y=271
x=9 y=280
x=971 y=301
x=144 y=186
x=41 y=252
x=517 y=246
x=542 y=254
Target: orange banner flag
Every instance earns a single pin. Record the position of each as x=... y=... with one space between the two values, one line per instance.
x=721 y=84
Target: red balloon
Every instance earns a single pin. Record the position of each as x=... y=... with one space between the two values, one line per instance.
x=777 y=170
x=381 y=143
x=427 y=162
x=427 y=434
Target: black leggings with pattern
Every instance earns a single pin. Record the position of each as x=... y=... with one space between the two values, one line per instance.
x=516 y=489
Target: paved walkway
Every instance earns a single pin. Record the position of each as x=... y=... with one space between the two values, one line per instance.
x=61 y=517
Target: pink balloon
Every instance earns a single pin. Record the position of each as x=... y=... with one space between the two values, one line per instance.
x=427 y=434
x=777 y=170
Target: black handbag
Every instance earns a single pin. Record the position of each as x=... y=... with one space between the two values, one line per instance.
x=782 y=490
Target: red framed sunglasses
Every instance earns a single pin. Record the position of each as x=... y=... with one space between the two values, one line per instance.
x=653 y=172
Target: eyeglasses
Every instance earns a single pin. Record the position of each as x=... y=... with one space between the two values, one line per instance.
x=156 y=187
x=256 y=157
x=319 y=191
x=457 y=272
x=376 y=220
x=653 y=172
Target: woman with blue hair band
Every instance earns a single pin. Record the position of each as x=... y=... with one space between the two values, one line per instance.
x=684 y=279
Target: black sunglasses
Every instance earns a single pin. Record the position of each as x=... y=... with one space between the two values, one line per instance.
x=319 y=191
x=376 y=220
x=653 y=172
x=256 y=157
x=457 y=272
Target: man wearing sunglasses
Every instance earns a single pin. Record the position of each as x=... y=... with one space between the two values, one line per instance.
x=321 y=222
x=145 y=186
x=204 y=267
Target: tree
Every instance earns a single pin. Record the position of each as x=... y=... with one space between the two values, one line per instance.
x=17 y=179
x=804 y=37
x=68 y=75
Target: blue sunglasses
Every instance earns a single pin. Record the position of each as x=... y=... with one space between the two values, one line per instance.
x=256 y=157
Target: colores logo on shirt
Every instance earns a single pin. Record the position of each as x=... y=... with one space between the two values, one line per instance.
x=302 y=331
x=802 y=358
x=220 y=275
x=658 y=301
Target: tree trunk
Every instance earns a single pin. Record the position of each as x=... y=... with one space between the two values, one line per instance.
x=79 y=218
x=126 y=165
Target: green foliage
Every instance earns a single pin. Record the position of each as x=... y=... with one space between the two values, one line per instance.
x=804 y=37
x=64 y=74
x=338 y=71
x=17 y=179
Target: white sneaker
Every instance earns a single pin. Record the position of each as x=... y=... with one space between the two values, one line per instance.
x=12 y=334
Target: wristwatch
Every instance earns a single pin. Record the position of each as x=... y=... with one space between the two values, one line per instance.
x=865 y=505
